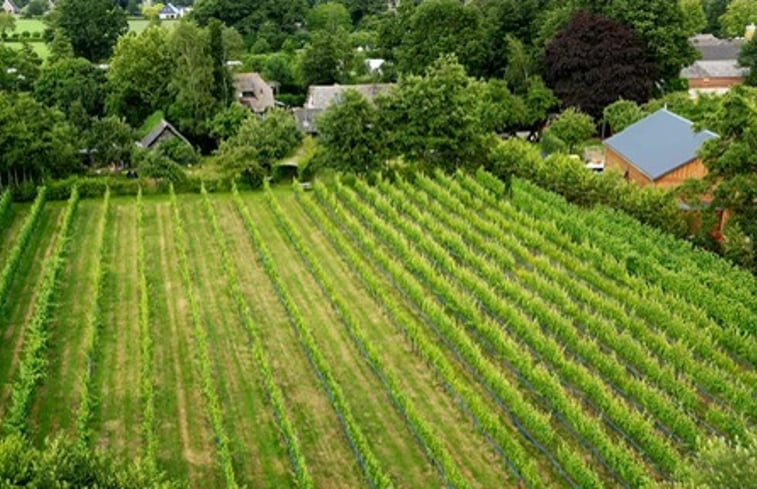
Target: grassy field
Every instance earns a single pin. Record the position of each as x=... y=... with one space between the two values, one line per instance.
x=424 y=335
x=38 y=25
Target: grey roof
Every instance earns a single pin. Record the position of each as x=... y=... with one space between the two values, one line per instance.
x=253 y=83
x=715 y=69
x=659 y=143
x=322 y=96
x=306 y=119
x=159 y=129
x=713 y=49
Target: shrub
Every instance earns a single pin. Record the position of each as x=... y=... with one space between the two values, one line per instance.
x=155 y=165
x=573 y=128
x=179 y=151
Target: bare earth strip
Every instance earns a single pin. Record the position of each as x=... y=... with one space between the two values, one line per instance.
x=260 y=459
x=10 y=231
x=186 y=446
x=116 y=379
x=385 y=428
x=20 y=304
x=57 y=400
x=469 y=448
x=329 y=456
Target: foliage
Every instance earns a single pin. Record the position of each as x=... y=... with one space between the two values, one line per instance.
x=748 y=59
x=660 y=24
x=152 y=164
x=441 y=27
x=501 y=111
x=111 y=142
x=621 y=114
x=351 y=135
x=569 y=178
x=64 y=463
x=64 y=82
x=223 y=85
x=435 y=119
x=714 y=9
x=573 y=128
x=327 y=59
x=19 y=69
x=695 y=20
x=139 y=75
x=329 y=16
x=520 y=66
x=737 y=16
x=92 y=26
x=35 y=141
x=722 y=463
x=195 y=99
x=179 y=151
x=595 y=61
x=272 y=137
x=540 y=101
x=227 y=122
x=7 y=23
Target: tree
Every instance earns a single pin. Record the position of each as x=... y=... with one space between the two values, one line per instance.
x=350 y=135
x=111 y=141
x=92 y=26
x=737 y=16
x=540 y=101
x=748 y=59
x=60 y=46
x=273 y=137
x=36 y=8
x=621 y=114
x=435 y=119
x=152 y=12
x=695 y=20
x=223 y=84
x=139 y=75
x=714 y=9
x=501 y=111
x=595 y=61
x=572 y=128
x=19 y=68
x=7 y=23
x=520 y=65
x=439 y=27
x=227 y=122
x=329 y=16
x=660 y=24
x=195 y=102
x=327 y=59
x=64 y=82
x=35 y=141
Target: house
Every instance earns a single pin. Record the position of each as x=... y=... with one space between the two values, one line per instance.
x=9 y=7
x=321 y=97
x=171 y=11
x=660 y=150
x=718 y=68
x=253 y=92
x=161 y=132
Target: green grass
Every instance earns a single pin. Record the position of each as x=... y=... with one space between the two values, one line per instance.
x=412 y=343
x=42 y=49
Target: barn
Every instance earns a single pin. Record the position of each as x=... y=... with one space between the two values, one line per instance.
x=660 y=150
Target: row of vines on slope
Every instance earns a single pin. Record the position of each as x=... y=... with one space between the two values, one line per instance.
x=372 y=467
x=275 y=395
x=34 y=362
x=215 y=410
x=426 y=435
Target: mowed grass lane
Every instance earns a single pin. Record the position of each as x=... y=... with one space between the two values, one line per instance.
x=186 y=440
x=329 y=457
x=116 y=423
x=259 y=456
x=10 y=228
x=465 y=443
x=19 y=306
x=57 y=400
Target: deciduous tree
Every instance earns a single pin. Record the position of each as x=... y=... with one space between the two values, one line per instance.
x=595 y=61
x=92 y=26
x=737 y=16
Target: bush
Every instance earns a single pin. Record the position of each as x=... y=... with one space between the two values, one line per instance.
x=179 y=151
x=155 y=165
x=573 y=128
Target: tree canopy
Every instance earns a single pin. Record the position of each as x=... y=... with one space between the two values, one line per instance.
x=92 y=26
x=595 y=61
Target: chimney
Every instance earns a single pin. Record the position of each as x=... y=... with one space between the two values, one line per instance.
x=750 y=30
